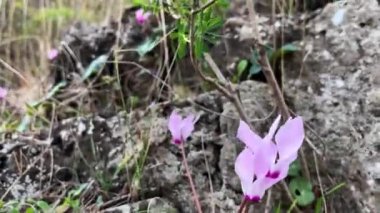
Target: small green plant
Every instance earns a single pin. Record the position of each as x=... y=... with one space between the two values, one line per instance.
x=254 y=67
x=72 y=200
x=319 y=203
x=300 y=187
x=241 y=67
x=207 y=23
x=302 y=190
x=29 y=206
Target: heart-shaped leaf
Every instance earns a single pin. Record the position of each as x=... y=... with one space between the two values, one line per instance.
x=302 y=190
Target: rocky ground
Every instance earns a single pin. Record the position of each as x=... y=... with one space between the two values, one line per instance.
x=334 y=86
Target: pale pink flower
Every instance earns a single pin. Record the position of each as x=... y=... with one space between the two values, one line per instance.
x=180 y=128
x=52 y=54
x=3 y=93
x=264 y=163
x=141 y=17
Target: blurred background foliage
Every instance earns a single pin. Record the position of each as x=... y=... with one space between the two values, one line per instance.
x=30 y=28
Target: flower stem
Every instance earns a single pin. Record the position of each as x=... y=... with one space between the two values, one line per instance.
x=242 y=205
x=195 y=195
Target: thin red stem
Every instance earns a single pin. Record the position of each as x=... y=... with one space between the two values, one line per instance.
x=195 y=195
x=242 y=205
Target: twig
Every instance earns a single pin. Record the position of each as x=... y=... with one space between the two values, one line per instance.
x=232 y=93
x=115 y=202
x=166 y=58
x=200 y=9
x=319 y=181
x=196 y=198
x=268 y=202
x=271 y=79
x=222 y=85
x=17 y=73
x=215 y=69
x=209 y=176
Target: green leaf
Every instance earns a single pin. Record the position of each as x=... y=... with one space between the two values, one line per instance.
x=336 y=188
x=269 y=51
x=294 y=169
x=133 y=101
x=302 y=190
x=55 y=89
x=148 y=45
x=289 y=48
x=255 y=67
x=29 y=210
x=182 y=46
x=199 y=47
x=23 y=126
x=214 y=23
x=278 y=208
x=44 y=206
x=284 y=50
x=78 y=191
x=241 y=67
x=318 y=205
x=75 y=203
x=14 y=210
x=99 y=201
x=223 y=3
x=95 y=66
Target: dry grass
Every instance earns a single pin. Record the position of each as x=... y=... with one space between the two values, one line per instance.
x=29 y=28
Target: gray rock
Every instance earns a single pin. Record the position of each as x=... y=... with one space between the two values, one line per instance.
x=342 y=105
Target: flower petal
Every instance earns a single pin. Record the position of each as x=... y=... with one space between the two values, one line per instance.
x=3 y=93
x=139 y=13
x=146 y=15
x=174 y=125
x=289 y=137
x=52 y=54
x=244 y=166
x=264 y=158
x=255 y=191
x=187 y=126
x=273 y=128
x=282 y=167
x=248 y=137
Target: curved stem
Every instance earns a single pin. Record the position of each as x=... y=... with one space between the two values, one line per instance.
x=195 y=195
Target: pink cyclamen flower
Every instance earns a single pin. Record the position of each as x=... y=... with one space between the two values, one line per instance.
x=180 y=128
x=141 y=17
x=264 y=163
x=3 y=93
x=52 y=54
